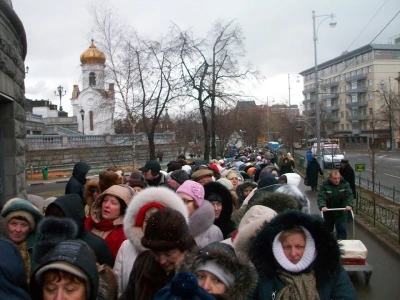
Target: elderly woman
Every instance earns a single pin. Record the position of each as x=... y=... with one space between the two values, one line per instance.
x=297 y=258
x=220 y=272
x=107 y=215
x=201 y=214
x=21 y=218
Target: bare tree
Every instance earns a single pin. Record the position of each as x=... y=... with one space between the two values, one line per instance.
x=212 y=72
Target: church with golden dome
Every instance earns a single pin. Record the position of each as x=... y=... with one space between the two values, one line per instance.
x=93 y=104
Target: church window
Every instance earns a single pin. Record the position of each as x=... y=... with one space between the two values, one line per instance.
x=91 y=120
x=92 y=79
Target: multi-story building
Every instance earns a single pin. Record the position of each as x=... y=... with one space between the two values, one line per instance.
x=351 y=89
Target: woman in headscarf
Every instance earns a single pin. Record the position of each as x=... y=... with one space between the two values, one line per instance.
x=297 y=258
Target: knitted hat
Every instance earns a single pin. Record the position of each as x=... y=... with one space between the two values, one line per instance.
x=136 y=174
x=201 y=174
x=267 y=181
x=215 y=168
x=166 y=230
x=231 y=174
x=17 y=207
x=184 y=285
x=226 y=183
x=194 y=190
x=180 y=176
x=210 y=266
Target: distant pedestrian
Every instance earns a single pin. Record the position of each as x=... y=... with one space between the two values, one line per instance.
x=152 y=173
x=309 y=156
x=77 y=182
x=160 y=156
x=312 y=171
x=347 y=172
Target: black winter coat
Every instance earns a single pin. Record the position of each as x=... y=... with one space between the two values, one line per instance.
x=312 y=171
x=348 y=174
x=332 y=281
x=77 y=182
x=73 y=208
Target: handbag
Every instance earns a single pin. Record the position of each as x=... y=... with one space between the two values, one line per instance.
x=306 y=181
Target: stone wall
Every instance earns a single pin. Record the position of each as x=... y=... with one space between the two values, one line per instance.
x=97 y=157
x=12 y=114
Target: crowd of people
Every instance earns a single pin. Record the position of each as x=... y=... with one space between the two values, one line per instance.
x=230 y=228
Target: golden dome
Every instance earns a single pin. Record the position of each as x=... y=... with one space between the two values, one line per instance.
x=93 y=56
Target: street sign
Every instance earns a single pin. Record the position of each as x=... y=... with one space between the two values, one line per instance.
x=359 y=167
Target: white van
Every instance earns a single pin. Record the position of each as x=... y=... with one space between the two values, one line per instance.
x=331 y=154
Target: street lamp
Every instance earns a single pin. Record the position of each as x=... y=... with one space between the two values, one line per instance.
x=388 y=101
x=60 y=94
x=82 y=112
x=268 y=116
x=332 y=23
x=290 y=116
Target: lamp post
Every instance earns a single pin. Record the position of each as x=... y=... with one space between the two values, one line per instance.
x=389 y=101
x=332 y=23
x=60 y=94
x=82 y=112
x=290 y=116
x=268 y=117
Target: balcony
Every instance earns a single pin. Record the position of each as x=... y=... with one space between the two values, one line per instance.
x=309 y=90
x=329 y=96
x=330 y=108
x=357 y=104
x=356 y=118
x=360 y=89
x=329 y=85
x=308 y=101
x=356 y=77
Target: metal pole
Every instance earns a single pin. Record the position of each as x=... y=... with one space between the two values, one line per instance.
x=317 y=112
x=290 y=121
x=268 y=115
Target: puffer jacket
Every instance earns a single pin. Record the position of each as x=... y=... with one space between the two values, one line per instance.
x=132 y=247
x=332 y=281
x=77 y=182
x=201 y=226
x=224 y=256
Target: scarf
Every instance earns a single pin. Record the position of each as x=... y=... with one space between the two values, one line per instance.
x=300 y=286
x=23 y=250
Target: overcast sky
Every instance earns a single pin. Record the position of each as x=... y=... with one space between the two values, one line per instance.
x=279 y=35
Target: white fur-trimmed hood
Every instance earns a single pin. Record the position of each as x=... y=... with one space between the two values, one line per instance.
x=161 y=195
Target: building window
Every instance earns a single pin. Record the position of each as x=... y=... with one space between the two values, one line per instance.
x=328 y=103
x=347 y=127
x=92 y=79
x=341 y=114
x=364 y=111
x=370 y=97
x=340 y=101
x=354 y=85
x=371 y=125
x=370 y=111
x=342 y=126
x=91 y=120
x=354 y=98
x=369 y=69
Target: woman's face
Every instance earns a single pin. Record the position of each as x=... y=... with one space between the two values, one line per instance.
x=293 y=247
x=168 y=259
x=110 y=208
x=189 y=201
x=217 y=208
x=137 y=189
x=205 y=180
x=247 y=191
x=18 y=230
x=57 y=286
x=211 y=283
x=234 y=181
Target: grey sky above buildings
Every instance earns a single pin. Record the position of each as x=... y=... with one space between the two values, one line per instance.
x=279 y=35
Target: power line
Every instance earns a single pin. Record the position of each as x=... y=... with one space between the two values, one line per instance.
x=366 y=25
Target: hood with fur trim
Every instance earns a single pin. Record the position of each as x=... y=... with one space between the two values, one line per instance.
x=241 y=187
x=296 y=193
x=90 y=184
x=224 y=256
x=201 y=219
x=327 y=260
x=279 y=202
x=161 y=195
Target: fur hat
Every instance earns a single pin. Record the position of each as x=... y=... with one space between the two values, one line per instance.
x=267 y=181
x=194 y=190
x=166 y=230
x=53 y=231
x=196 y=176
x=184 y=285
x=180 y=176
x=136 y=174
x=173 y=166
x=108 y=179
x=17 y=207
x=135 y=182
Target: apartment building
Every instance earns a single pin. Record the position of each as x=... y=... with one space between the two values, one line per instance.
x=350 y=93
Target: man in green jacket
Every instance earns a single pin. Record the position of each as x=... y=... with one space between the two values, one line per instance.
x=335 y=193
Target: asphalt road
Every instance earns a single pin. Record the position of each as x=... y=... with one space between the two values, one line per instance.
x=387 y=165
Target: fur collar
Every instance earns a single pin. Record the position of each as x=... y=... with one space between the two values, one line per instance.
x=162 y=195
x=327 y=260
x=201 y=219
x=244 y=272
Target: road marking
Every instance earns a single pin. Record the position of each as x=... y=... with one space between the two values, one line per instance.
x=391 y=175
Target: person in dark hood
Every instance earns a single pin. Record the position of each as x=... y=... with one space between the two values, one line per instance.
x=244 y=189
x=70 y=206
x=69 y=263
x=220 y=272
x=13 y=283
x=221 y=199
x=297 y=258
x=286 y=167
x=77 y=182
